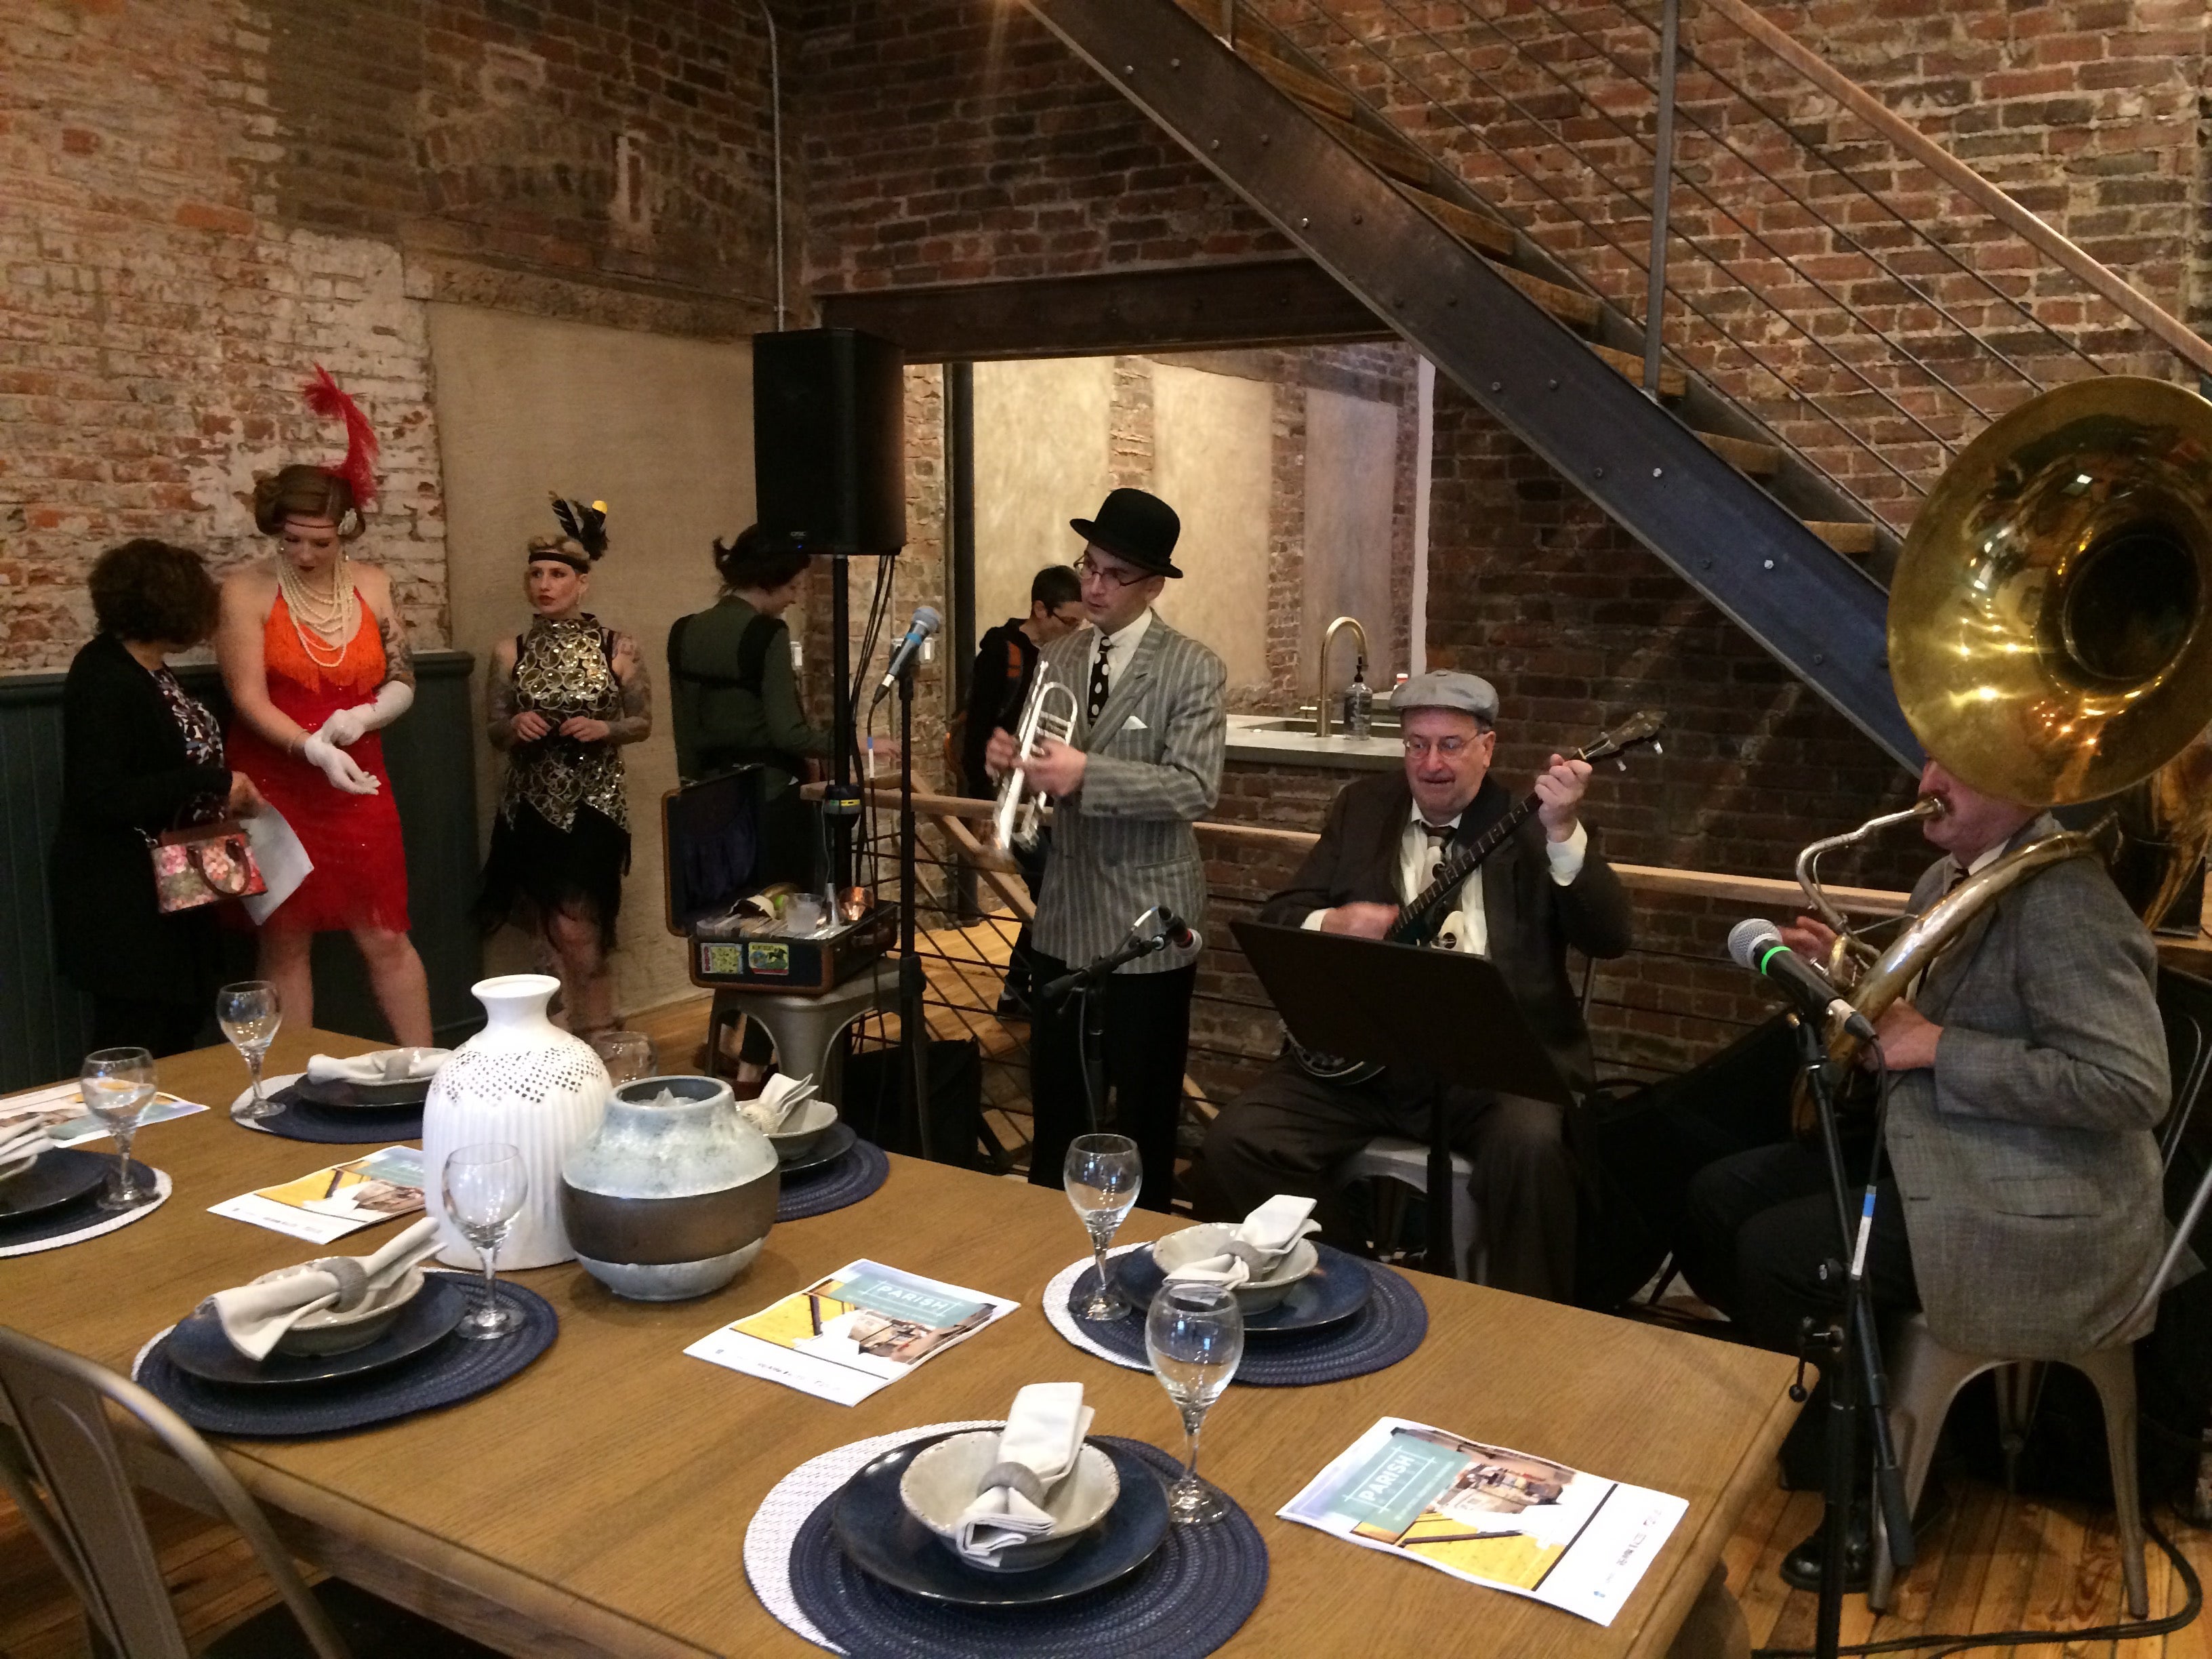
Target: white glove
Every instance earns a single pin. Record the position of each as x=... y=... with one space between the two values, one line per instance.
x=335 y=764
x=349 y=726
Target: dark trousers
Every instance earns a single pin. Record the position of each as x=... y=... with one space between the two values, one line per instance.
x=1288 y=1133
x=1021 y=960
x=1759 y=1225
x=159 y=1028
x=1146 y=1039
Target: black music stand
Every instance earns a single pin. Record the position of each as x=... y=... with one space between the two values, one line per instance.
x=1435 y=1017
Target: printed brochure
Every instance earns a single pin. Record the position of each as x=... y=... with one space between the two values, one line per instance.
x=1492 y=1516
x=860 y=1330
x=60 y=1107
x=333 y=1202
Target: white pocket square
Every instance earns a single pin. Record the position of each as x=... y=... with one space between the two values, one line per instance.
x=1136 y=723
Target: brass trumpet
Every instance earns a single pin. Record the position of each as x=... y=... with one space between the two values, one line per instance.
x=1020 y=816
x=2048 y=637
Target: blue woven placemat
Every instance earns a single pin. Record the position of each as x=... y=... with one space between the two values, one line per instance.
x=455 y=1369
x=302 y=1120
x=1391 y=1326
x=1191 y=1597
x=74 y=1216
x=846 y=1179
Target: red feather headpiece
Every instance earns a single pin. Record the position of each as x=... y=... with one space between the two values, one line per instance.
x=329 y=400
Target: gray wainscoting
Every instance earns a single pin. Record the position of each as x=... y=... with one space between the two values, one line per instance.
x=431 y=754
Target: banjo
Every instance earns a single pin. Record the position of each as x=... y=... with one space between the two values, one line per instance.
x=1424 y=915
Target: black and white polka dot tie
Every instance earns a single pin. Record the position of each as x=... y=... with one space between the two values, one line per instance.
x=1098 y=682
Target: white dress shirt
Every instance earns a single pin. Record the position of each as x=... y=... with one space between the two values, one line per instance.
x=1468 y=927
x=1121 y=650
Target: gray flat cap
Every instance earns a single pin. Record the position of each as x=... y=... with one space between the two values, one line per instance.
x=1443 y=688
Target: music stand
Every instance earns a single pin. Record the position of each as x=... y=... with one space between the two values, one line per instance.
x=1435 y=1017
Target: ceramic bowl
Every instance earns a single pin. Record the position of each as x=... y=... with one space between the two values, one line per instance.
x=1254 y=1296
x=940 y=1484
x=331 y=1332
x=801 y=1136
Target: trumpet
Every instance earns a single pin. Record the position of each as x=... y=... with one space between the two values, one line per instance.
x=1020 y=814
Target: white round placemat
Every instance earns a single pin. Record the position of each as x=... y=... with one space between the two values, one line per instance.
x=769 y=1535
x=108 y=1224
x=269 y=1086
x=1055 y=1309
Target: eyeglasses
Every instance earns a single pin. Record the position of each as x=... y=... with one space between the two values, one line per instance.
x=1086 y=571
x=1449 y=748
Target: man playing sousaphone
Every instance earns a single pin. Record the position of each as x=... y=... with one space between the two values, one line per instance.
x=2022 y=1209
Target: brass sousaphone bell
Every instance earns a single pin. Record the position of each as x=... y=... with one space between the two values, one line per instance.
x=2050 y=642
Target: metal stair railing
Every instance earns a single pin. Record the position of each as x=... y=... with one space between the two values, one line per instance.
x=1415 y=57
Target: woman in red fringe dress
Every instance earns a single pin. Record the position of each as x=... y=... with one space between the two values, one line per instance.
x=316 y=661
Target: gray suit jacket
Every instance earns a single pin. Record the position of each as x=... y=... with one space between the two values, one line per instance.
x=2025 y=1156
x=1123 y=843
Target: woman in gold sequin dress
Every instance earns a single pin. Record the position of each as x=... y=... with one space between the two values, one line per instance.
x=565 y=695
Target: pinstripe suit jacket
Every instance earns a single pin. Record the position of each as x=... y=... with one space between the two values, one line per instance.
x=2025 y=1156
x=1123 y=843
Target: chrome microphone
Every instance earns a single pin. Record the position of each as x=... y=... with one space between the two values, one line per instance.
x=1756 y=944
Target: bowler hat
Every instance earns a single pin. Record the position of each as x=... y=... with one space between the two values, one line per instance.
x=1135 y=525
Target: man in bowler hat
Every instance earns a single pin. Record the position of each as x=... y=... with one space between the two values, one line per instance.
x=1145 y=765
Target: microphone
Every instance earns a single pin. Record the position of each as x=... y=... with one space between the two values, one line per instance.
x=1756 y=944
x=1162 y=924
x=926 y=623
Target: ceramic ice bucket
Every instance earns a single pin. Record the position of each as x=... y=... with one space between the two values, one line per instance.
x=669 y=1200
x=524 y=1080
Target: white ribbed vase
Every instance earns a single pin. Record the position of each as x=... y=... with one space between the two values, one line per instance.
x=524 y=1080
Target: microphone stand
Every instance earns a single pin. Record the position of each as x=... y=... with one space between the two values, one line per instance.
x=913 y=1029
x=1088 y=981
x=1849 y=1356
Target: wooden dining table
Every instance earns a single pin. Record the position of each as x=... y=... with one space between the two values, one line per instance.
x=597 y=1503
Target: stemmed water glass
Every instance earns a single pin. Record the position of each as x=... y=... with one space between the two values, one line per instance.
x=249 y=1014
x=484 y=1187
x=116 y=1083
x=1195 y=1335
x=1102 y=1174
x=628 y=1055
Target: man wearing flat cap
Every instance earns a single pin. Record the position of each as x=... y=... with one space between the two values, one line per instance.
x=1144 y=766
x=1544 y=890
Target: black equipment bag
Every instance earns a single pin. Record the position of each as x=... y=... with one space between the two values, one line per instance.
x=873 y=1093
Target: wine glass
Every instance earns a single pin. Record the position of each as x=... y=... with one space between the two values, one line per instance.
x=1195 y=1335
x=1101 y=1175
x=484 y=1187
x=249 y=1014
x=628 y=1055
x=116 y=1083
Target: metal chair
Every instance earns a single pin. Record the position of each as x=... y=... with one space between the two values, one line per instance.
x=806 y=1029
x=60 y=1462
x=1925 y=1376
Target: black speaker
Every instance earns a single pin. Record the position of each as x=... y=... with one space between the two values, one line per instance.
x=830 y=440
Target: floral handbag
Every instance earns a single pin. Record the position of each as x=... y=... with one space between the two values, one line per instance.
x=202 y=864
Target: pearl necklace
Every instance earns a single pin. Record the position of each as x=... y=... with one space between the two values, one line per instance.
x=315 y=617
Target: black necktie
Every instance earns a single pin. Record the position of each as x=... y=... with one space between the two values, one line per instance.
x=1098 y=681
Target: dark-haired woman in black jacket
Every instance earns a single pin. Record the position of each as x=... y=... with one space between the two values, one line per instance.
x=139 y=756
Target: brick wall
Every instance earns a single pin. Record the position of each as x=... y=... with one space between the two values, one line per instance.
x=958 y=140
x=206 y=199
x=2086 y=110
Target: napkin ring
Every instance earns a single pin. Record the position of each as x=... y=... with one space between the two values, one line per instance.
x=352 y=1277
x=1016 y=1477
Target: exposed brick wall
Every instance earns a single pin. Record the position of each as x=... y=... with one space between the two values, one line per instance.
x=206 y=199
x=958 y=140
x=2087 y=110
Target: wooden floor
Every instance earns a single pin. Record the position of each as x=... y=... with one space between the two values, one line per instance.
x=1995 y=1563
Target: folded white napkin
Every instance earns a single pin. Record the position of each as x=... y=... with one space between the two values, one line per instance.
x=255 y=1315
x=1037 y=1450
x=779 y=1101
x=1256 y=1246
x=24 y=1139
x=385 y=1065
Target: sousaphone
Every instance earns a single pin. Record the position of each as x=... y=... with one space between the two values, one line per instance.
x=2050 y=642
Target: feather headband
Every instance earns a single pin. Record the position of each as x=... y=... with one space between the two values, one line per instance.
x=329 y=400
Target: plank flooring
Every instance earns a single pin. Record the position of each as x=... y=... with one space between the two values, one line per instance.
x=1995 y=1562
